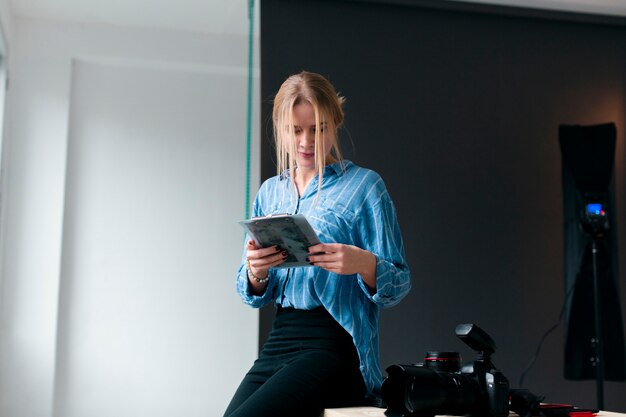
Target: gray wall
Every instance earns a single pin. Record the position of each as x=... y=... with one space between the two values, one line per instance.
x=458 y=109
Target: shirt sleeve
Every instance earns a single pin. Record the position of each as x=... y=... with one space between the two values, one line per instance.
x=243 y=285
x=380 y=234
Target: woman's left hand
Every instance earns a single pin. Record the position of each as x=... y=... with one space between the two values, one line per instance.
x=345 y=260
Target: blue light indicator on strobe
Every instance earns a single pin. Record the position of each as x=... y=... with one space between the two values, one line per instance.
x=595 y=208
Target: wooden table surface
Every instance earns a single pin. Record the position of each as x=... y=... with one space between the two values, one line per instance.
x=380 y=412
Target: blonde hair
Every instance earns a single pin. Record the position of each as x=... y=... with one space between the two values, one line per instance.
x=327 y=104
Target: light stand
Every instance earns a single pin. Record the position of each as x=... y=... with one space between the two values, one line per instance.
x=595 y=224
x=597 y=342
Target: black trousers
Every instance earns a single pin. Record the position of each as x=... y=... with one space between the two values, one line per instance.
x=309 y=363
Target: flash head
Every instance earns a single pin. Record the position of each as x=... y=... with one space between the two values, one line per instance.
x=594 y=219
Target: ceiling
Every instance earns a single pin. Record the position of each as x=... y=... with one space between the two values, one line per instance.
x=206 y=16
x=603 y=7
x=225 y=16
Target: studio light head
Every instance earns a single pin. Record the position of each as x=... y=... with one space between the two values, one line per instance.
x=594 y=219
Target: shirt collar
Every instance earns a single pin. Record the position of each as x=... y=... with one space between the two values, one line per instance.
x=339 y=167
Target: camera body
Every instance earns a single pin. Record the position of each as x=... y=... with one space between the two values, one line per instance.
x=441 y=387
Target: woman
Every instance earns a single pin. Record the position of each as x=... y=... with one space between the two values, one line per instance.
x=323 y=348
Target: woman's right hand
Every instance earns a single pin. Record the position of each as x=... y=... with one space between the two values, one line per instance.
x=261 y=260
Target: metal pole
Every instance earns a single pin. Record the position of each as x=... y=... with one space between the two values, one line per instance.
x=597 y=342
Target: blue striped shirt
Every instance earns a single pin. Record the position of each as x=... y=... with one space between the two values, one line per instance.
x=353 y=208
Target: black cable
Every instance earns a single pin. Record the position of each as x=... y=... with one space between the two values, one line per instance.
x=545 y=335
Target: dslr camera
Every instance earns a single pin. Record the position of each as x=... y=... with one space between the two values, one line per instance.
x=440 y=386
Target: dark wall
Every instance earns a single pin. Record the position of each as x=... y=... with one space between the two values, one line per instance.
x=459 y=110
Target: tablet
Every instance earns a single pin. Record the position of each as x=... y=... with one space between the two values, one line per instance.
x=291 y=232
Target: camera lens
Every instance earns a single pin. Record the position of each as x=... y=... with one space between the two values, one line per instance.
x=440 y=393
x=443 y=361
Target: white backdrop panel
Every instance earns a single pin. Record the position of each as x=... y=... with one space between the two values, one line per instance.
x=149 y=321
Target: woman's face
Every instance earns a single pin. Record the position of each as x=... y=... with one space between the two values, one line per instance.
x=304 y=129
